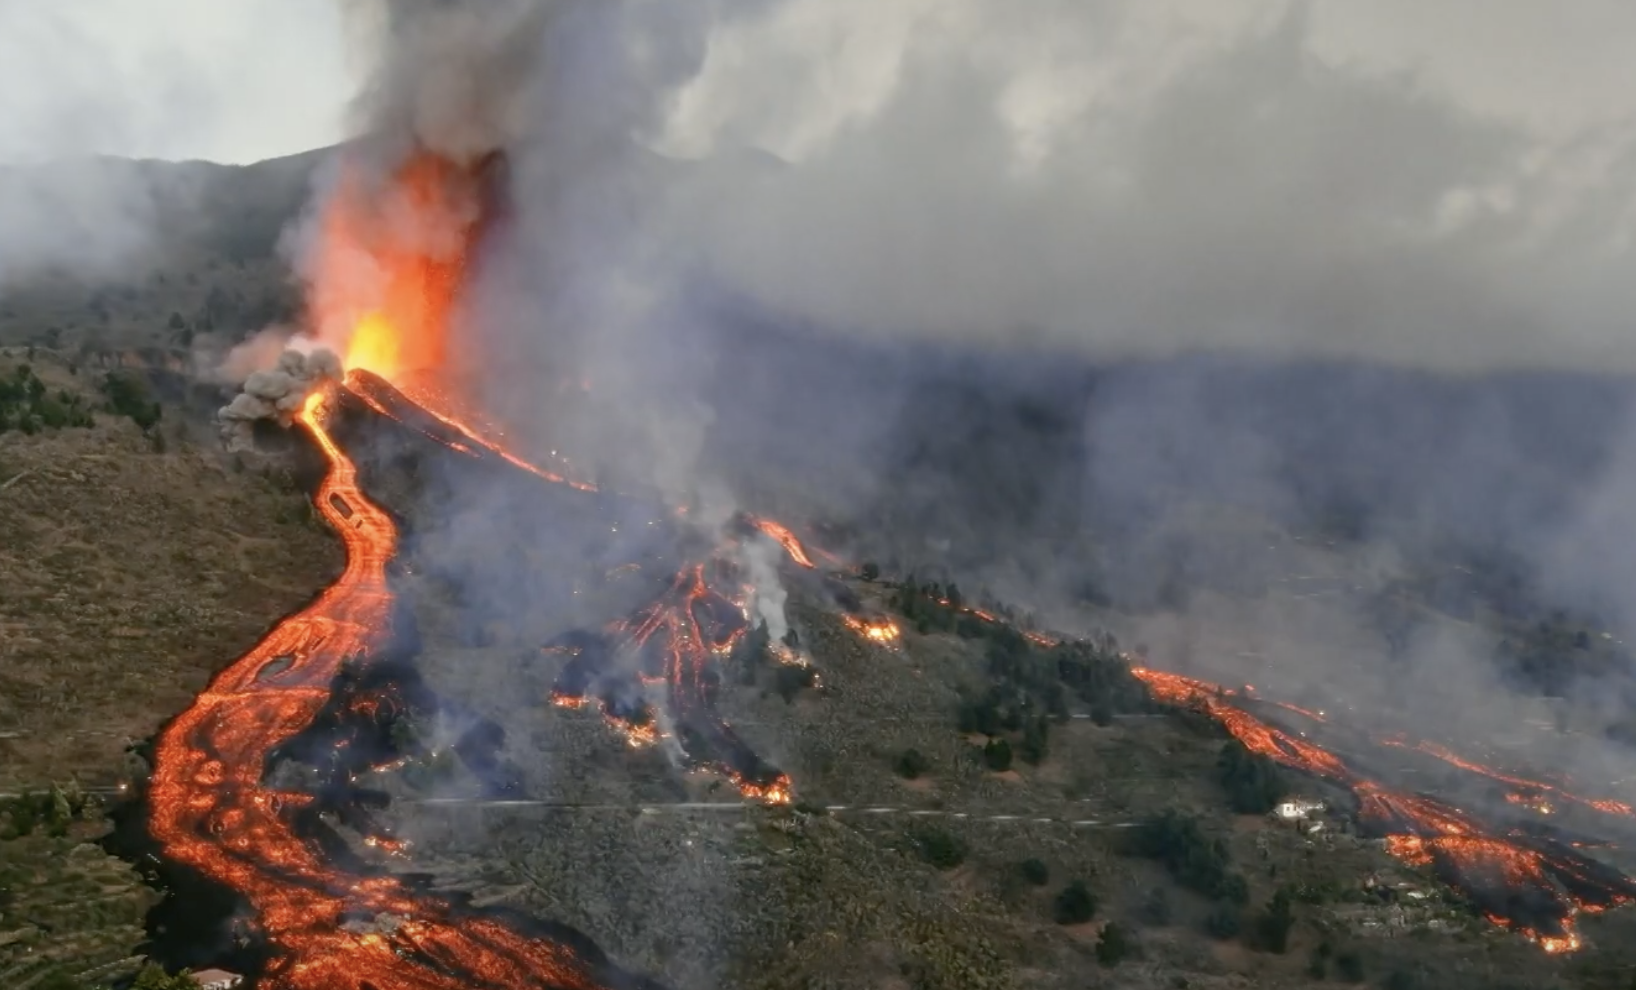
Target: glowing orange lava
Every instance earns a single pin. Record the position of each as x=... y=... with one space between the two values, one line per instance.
x=1541 y=882
x=212 y=811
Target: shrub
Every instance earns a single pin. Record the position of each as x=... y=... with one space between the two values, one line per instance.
x=997 y=755
x=1035 y=872
x=870 y=571
x=1114 y=945
x=790 y=680
x=941 y=849
x=1222 y=922
x=1156 y=908
x=1075 y=905
x=912 y=764
x=1035 y=733
x=1197 y=862
x=1253 y=782
x=1273 y=926
x=128 y=395
x=1349 y=965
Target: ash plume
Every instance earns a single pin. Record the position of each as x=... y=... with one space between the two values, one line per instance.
x=275 y=395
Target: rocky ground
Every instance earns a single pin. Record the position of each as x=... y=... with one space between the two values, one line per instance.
x=675 y=877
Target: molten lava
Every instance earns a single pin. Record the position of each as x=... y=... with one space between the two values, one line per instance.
x=212 y=811
x=1532 y=885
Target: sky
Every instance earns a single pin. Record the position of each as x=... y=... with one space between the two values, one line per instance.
x=1444 y=183
x=250 y=79
x=234 y=81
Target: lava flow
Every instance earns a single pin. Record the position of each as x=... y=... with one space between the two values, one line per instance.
x=1530 y=884
x=212 y=811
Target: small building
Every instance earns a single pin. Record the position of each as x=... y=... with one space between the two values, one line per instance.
x=1298 y=809
x=216 y=979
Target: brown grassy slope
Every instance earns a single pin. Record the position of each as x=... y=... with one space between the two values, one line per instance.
x=126 y=577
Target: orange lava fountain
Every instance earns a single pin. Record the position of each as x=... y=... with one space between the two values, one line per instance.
x=211 y=810
x=392 y=257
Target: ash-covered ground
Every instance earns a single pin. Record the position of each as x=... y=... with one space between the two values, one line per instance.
x=949 y=875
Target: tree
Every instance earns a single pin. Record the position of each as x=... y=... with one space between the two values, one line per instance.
x=1349 y=965
x=1156 y=908
x=941 y=849
x=176 y=321
x=1253 y=782
x=1222 y=922
x=153 y=978
x=997 y=755
x=1075 y=905
x=1035 y=733
x=128 y=395
x=870 y=571
x=911 y=764
x=1275 y=922
x=1034 y=872
x=1114 y=945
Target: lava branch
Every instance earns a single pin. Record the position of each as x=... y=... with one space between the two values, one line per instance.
x=211 y=810
x=1530 y=885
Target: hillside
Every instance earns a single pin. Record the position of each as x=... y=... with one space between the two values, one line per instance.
x=1310 y=527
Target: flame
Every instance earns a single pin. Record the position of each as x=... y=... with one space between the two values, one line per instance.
x=876 y=630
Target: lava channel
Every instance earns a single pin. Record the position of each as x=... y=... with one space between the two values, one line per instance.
x=1526 y=883
x=211 y=810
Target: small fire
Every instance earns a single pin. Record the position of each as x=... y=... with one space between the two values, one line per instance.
x=876 y=630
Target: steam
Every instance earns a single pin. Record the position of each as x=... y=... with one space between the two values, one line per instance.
x=761 y=558
x=275 y=395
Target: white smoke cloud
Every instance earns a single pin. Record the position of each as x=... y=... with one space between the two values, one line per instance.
x=1121 y=178
x=275 y=395
x=761 y=556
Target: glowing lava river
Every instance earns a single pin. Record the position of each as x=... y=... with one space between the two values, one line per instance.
x=1528 y=882
x=212 y=811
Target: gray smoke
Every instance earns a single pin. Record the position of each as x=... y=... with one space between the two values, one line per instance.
x=275 y=395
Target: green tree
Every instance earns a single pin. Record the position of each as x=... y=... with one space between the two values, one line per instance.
x=1253 y=782
x=870 y=571
x=911 y=764
x=1274 y=925
x=997 y=755
x=1075 y=905
x=128 y=395
x=1222 y=922
x=1035 y=872
x=941 y=849
x=1035 y=733
x=1114 y=945
x=153 y=978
